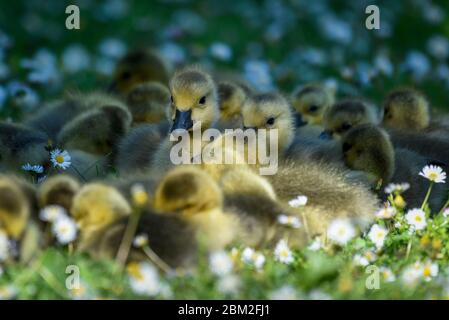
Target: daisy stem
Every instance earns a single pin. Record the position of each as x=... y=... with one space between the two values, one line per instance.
x=79 y=173
x=427 y=196
x=306 y=226
x=157 y=260
x=127 y=239
x=446 y=205
x=70 y=247
x=409 y=248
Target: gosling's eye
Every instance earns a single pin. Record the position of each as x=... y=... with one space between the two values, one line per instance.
x=202 y=100
x=270 y=121
x=126 y=75
x=346 y=147
x=313 y=108
x=345 y=126
x=171 y=99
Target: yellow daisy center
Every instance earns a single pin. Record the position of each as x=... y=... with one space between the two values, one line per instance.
x=64 y=229
x=134 y=270
x=426 y=272
x=433 y=175
x=59 y=158
x=418 y=219
x=140 y=197
x=284 y=253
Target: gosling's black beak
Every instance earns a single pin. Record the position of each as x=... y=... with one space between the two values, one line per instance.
x=299 y=120
x=326 y=135
x=183 y=120
x=112 y=87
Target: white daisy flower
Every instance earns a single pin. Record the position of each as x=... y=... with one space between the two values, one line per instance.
x=140 y=241
x=412 y=274
x=144 y=279
x=446 y=213
x=438 y=46
x=220 y=263
x=52 y=213
x=34 y=168
x=341 y=231
x=429 y=270
x=257 y=72
x=434 y=174
x=370 y=255
x=23 y=95
x=139 y=194
x=360 y=260
x=229 y=284
x=386 y=212
x=285 y=292
x=364 y=259
x=397 y=187
x=383 y=64
x=4 y=246
x=387 y=274
x=65 y=230
x=252 y=257
x=377 y=235
x=221 y=51
x=112 y=48
x=83 y=292
x=282 y=252
x=416 y=218
x=433 y=13
x=75 y=58
x=7 y=292
x=315 y=245
x=247 y=254
x=298 y=201
x=104 y=66
x=60 y=159
x=335 y=29
x=43 y=67
x=173 y=52
x=317 y=294
x=417 y=63
x=290 y=221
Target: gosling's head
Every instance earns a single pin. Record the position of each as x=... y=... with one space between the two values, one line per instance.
x=20 y=144
x=96 y=131
x=193 y=99
x=138 y=67
x=346 y=114
x=14 y=208
x=189 y=191
x=406 y=109
x=97 y=205
x=232 y=97
x=270 y=111
x=58 y=190
x=312 y=101
x=148 y=102
x=368 y=148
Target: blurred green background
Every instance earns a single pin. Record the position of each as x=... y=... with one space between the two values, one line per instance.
x=274 y=44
